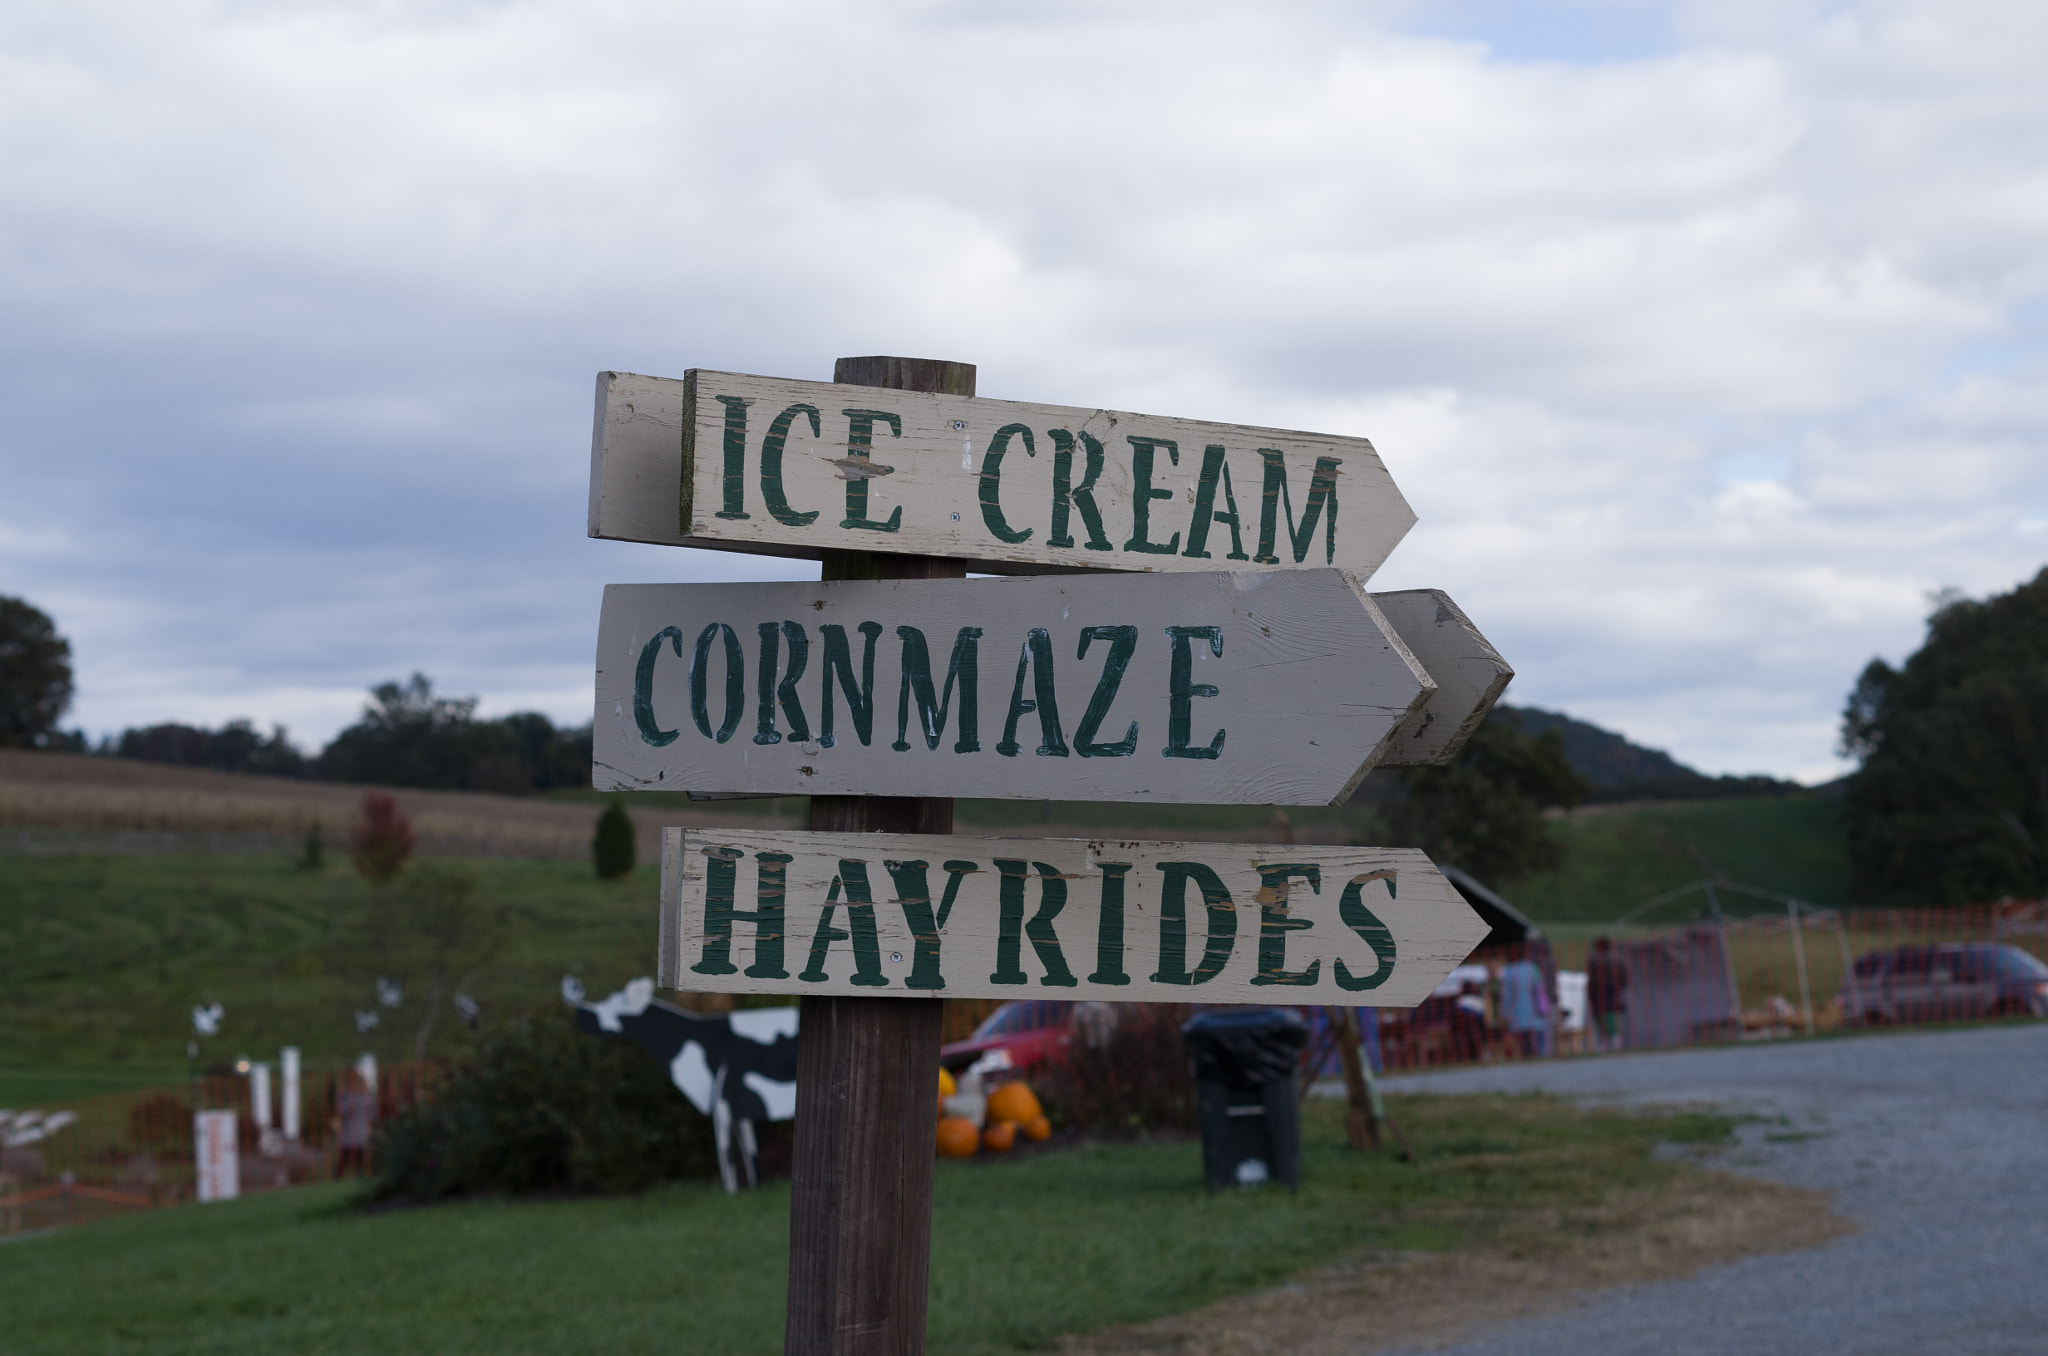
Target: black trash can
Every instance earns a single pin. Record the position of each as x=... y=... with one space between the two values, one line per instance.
x=1245 y=1065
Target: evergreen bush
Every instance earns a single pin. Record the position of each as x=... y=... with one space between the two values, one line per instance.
x=612 y=846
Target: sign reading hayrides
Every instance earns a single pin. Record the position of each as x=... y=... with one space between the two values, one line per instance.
x=1230 y=688
x=874 y=914
x=798 y=468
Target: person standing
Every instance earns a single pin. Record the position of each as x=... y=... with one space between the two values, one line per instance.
x=355 y=1117
x=1606 y=994
x=1525 y=1003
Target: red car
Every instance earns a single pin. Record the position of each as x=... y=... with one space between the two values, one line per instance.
x=1032 y=1033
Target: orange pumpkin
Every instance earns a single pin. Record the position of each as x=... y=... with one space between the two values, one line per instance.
x=957 y=1137
x=1014 y=1101
x=947 y=1087
x=1038 y=1128
x=1000 y=1137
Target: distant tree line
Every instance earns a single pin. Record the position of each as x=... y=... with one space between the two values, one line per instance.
x=408 y=735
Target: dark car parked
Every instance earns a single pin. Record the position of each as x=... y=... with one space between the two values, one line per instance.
x=1951 y=981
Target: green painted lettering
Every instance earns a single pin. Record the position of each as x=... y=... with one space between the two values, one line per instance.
x=1012 y=930
x=1122 y=641
x=964 y=668
x=735 y=682
x=859 y=929
x=1276 y=921
x=643 y=687
x=1109 y=927
x=1322 y=493
x=1082 y=496
x=1142 y=495
x=1173 y=924
x=1035 y=655
x=735 y=457
x=1214 y=469
x=767 y=690
x=860 y=701
x=771 y=467
x=1361 y=920
x=720 y=888
x=1182 y=689
x=991 y=482
x=860 y=467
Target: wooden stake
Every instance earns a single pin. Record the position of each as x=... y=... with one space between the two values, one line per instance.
x=860 y=1210
x=1361 y=1127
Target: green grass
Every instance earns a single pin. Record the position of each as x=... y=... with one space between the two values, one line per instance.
x=102 y=958
x=1621 y=856
x=1023 y=1250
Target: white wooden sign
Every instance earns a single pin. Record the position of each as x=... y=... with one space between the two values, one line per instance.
x=1470 y=675
x=880 y=914
x=217 y=1155
x=1220 y=688
x=774 y=466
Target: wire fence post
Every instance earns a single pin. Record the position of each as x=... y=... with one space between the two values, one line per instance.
x=1799 y=960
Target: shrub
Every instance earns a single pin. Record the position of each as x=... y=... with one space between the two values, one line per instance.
x=313 y=852
x=383 y=840
x=1124 y=1076
x=612 y=845
x=544 y=1107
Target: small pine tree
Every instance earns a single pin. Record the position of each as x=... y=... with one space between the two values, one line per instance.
x=313 y=854
x=611 y=847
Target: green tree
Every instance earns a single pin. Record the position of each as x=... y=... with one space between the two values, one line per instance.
x=1484 y=811
x=35 y=675
x=1950 y=803
x=612 y=845
x=434 y=931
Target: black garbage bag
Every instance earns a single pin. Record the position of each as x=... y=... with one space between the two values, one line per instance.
x=1246 y=1047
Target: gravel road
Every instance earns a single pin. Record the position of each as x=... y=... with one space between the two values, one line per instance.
x=1935 y=1143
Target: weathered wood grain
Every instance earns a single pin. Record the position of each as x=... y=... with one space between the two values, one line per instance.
x=1470 y=675
x=912 y=915
x=1225 y=688
x=769 y=465
x=860 y=1205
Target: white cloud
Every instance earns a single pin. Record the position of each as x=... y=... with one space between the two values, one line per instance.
x=1705 y=340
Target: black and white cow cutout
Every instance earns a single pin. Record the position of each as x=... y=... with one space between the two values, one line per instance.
x=735 y=1067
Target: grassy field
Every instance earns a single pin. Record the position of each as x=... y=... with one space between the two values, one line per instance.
x=1023 y=1251
x=1621 y=856
x=101 y=958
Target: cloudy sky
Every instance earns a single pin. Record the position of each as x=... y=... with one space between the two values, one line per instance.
x=1706 y=341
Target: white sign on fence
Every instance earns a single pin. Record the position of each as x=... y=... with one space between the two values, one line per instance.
x=1221 y=688
x=218 y=1156
x=775 y=466
x=874 y=914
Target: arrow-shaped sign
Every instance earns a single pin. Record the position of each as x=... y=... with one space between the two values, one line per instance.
x=876 y=914
x=1470 y=675
x=797 y=468
x=1221 y=688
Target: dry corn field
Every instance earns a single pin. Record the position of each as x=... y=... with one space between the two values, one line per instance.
x=60 y=802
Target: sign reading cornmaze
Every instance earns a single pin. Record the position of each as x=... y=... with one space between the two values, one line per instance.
x=878 y=914
x=1218 y=688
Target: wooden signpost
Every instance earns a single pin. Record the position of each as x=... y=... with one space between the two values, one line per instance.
x=1261 y=672
x=1238 y=688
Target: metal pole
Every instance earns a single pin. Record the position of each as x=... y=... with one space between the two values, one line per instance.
x=1799 y=959
x=1727 y=955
